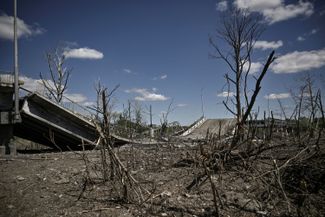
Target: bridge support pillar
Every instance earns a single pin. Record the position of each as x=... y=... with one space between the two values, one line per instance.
x=152 y=133
x=6 y=106
x=6 y=134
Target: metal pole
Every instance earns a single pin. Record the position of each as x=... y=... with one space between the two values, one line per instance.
x=150 y=116
x=17 y=116
x=151 y=129
x=202 y=106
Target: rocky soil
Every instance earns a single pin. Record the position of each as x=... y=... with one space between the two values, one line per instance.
x=54 y=184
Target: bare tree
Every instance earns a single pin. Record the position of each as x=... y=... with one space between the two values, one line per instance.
x=125 y=184
x=137 y=109
x=309 y=113
x=240 y=30
x=58 y=83
x=164 y=119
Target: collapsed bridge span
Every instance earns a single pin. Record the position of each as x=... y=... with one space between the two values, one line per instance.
x=50 y=124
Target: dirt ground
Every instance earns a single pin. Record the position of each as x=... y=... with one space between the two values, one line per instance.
x=53 y=184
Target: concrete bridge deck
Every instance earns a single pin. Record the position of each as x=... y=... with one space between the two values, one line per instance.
x=50 y=124
x=214 y=126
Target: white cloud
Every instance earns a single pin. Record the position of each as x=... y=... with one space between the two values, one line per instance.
x=300 y=38
x=75 y=97
x=308 y=34
x=154 y=89
x=23 y=29
x=275 y=10
x=257 y=5
x=289 y=11
x=264 y=45
x=83 y=53
x=34 y=85
x=299 y=61
x=222 y=6
x=127 y=71
x=181 y=105
x=225 y=94
x=163 y=77
x=255 y=67
x=88 y=104
x=277 y=96
x=313 y=31
x=146 y=95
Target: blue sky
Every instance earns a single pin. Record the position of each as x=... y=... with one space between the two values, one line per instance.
x=158 y=50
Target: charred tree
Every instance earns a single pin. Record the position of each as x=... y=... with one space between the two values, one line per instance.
x=240 y=30
x=59 y=75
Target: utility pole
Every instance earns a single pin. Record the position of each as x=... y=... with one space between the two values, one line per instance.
x=9 y=90
x=16 y=85
x=150 y=110
x=202 y=105
x=130 y=121
x=151 y=129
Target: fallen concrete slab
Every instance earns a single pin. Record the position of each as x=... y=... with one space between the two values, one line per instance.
x=214 y=126
x=50 y=124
